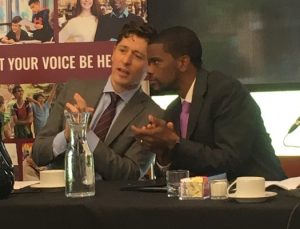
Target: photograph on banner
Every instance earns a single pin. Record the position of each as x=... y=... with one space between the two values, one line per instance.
x=26 y=21
x=25 y=108
x=97 y=20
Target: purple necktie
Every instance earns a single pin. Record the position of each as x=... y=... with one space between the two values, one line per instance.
x=184 y=118
x=106 y=118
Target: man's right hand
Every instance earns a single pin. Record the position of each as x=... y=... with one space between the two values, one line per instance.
x=79 y=106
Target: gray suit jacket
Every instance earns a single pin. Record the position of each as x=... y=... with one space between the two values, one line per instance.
x=120 y=156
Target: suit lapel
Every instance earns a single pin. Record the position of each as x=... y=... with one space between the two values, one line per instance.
x=130 y=111
x=93 y=92
x=197 y=101
x=175 y=114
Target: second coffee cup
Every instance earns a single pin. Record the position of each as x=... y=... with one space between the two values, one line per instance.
x=248 y=187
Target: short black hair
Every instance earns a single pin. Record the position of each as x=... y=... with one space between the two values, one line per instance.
x=16 y=19
x=142 y=30
x=179 y=41
x=37 y=96
x=32 y=1
x=15 y=88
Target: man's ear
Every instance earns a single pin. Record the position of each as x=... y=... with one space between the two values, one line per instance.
x=183 y=62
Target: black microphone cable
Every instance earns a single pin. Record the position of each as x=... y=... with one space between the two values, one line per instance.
x=288 y=226
x=286 y=145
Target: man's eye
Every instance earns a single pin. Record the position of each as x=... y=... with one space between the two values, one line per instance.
x=154 y=62
x=141 y=57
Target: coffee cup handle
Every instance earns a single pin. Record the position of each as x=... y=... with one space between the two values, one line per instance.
x=230 y=188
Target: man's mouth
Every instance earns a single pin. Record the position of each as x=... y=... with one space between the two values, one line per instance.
x=123 y=71
x=153 y=82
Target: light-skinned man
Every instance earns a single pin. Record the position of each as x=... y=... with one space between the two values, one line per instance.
x=119 y=155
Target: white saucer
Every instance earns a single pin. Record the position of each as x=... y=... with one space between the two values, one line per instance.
x=252 y=199
x=47 y=186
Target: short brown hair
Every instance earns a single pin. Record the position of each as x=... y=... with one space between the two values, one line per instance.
x=142 y=30
x=33 y=1
x=16 y=19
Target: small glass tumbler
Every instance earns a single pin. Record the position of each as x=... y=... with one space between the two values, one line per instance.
x=173 y=181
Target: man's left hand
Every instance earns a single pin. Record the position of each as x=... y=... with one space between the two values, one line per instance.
x=159 y=136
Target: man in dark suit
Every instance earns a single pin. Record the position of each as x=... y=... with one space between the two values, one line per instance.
x=225 y=132
x=119 y=156
x=110 y=24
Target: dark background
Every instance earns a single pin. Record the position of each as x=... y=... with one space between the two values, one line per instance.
x=256 y=41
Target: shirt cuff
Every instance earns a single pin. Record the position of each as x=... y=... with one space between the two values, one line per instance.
x=59 y=144
x=92 y=140
x=163 y=168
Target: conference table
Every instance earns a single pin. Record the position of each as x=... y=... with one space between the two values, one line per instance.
x=112 y=208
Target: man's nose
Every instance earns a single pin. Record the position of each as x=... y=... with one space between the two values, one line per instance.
x=150 y=69
x=127 y=58
x=148 y=76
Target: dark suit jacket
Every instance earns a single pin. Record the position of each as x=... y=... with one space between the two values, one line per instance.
x=225 y=132
x=120 y=156
x=109 y=26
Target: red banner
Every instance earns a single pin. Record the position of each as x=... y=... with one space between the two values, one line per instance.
x=46 y=63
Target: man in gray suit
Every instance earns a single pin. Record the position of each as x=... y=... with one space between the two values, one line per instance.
x=119 y=156
x=221 y=131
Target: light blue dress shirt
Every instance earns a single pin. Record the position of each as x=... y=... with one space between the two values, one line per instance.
x=60 y=143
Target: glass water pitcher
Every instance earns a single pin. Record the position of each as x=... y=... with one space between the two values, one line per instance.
x=79 y=161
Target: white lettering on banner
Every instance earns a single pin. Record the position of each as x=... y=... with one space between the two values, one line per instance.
x=59 y=62
x=1 y=64
x=23 y=63
x=86 y=61
x=104 y=61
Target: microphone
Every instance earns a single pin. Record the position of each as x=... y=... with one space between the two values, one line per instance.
x=294 y=126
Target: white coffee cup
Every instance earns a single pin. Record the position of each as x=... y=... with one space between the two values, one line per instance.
x=52 y=178
x=248 y=187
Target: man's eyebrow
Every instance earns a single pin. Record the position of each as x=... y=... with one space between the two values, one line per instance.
x=154 y=58
x=133 y=51
x=122 y=46
x=138 y=52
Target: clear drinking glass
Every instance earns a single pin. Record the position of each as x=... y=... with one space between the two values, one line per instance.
x=79 y=161
x=173 y=181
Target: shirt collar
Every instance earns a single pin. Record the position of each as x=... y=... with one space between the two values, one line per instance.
x=125 y=96
x=189 y=95
x=122 y=15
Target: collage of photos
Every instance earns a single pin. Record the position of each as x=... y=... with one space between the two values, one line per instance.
x=26 y=21
x=97 y=20
x=42 y=21
x=33 y=21
x=24 y=108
